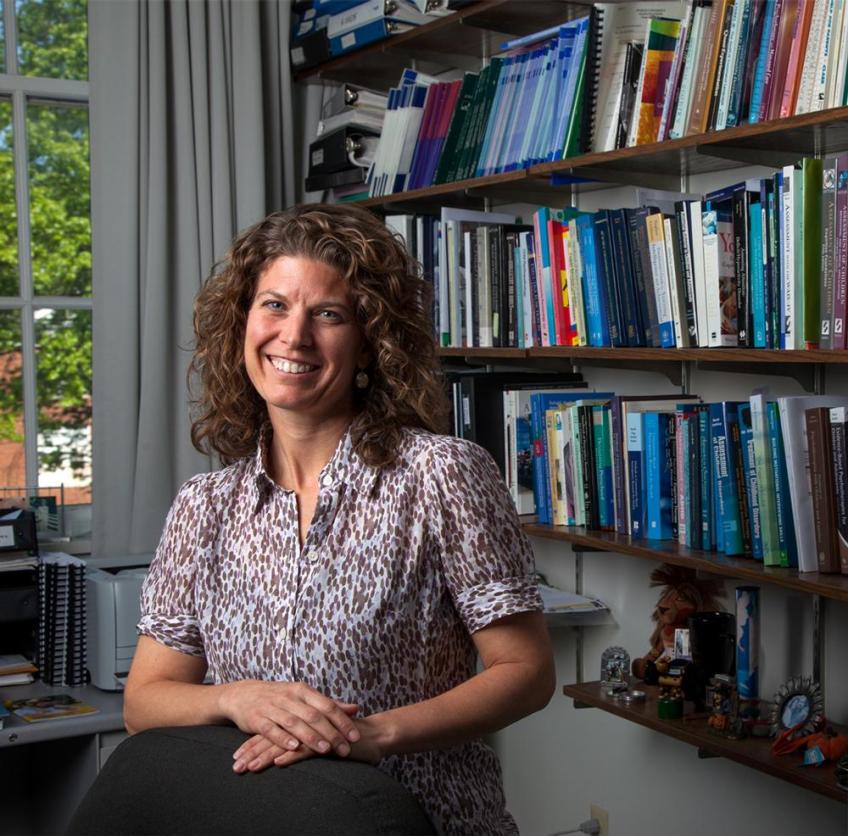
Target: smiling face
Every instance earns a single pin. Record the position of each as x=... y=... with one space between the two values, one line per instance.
x=302 y=344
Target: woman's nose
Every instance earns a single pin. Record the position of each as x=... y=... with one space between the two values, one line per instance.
x=295 y=330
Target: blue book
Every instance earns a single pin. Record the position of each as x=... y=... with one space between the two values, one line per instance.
x=746 y=440
x=539 y=114
x=716 y=431
x=505 y=70
x=657 y=475
x=516 y=86
x=570 y=82
x=540 y=402
x=780 y=219
x=728 y=492
x=636 y=473
x=602 y=437
x=529 y=84
x=596 y=320
x=376 y=30
x=705 y=460
x=762 y=62
x=738 y=80
x=785 y=522
x=605 y=270
x=755 y=273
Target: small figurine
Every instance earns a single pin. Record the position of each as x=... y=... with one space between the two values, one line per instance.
x=683 y=593
x=723 y=699
x=615 y=664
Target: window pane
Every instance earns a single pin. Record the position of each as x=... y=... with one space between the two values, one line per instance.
x=12 y=464
x=63 y=347
x=57 y=137
x=8 y=211
x=52 y=38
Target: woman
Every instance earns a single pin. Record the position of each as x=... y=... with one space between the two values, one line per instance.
x=340 y=577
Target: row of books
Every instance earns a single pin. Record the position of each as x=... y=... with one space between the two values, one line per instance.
x=626 y=74
x=764 y=478
x=322 y=29
x=762 y=264
x=672 y=69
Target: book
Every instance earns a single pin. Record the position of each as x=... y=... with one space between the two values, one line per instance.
x=660 y=43
x=796 y=449
x=49 y=707
x=704 y=77
x=839 y=442
x=617 y=24
x=821 y=486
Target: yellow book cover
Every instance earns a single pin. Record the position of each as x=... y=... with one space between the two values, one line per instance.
x=661 y=41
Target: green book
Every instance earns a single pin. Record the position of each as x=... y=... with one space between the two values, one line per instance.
x=461 y=152
x=765 y=480
x=571 y=147
x=478 y=131
x=458 y=130
x=811 y=170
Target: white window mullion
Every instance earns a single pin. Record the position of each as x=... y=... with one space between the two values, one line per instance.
x=10 y=25
x=26 y=288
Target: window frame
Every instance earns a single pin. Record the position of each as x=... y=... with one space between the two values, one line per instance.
x=20 y=90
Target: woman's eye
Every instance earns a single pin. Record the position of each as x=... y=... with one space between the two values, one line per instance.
x=329 y=315
x=273 y=305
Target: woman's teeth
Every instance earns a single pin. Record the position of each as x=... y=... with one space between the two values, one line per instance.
x=291 y=368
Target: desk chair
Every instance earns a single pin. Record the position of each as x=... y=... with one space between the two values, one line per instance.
x=180 y=781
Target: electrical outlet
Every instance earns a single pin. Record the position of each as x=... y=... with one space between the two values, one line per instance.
x=602 y=816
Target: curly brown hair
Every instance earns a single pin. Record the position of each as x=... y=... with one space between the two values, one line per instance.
x=392 y=304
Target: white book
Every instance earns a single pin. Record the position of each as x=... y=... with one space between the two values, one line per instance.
x=470 y=283
x=838 y=53
x=484 y=287
x=633 y=130
x=803 y=103
x=819 y=91
x=675 y=287
x=734 y=41
x=684 y=97
x=696 y=225
x=404 y=225
x=791 y=183
x=618 y=24
x=527 y=295
x=712 y=274
x=796 y=449
x=659 y=271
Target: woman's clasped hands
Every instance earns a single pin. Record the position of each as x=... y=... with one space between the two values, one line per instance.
x=291 y=722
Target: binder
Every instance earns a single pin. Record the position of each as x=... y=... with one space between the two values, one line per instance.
x=331 y=152
x=377 y=30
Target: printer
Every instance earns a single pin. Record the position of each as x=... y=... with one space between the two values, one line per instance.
x=113 y=611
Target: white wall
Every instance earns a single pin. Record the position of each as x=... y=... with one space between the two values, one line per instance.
x=559 y=761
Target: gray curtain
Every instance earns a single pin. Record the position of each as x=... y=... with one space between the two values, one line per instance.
x=191 y=141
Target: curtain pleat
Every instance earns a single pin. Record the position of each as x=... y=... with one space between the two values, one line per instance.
x=191 y=141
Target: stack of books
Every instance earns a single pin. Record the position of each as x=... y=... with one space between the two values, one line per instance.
x=61 y=628
x=730 y=477
x=322 y=29
x=348 y=133
x=16 y=669
x=762 y=263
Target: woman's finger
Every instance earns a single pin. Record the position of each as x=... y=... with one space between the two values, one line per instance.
x=336 y=715
x=306 y=724
x=288 y=758
x=258 y=743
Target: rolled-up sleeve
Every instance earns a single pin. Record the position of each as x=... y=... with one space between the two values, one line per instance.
x=168 y=612
x=486 y=557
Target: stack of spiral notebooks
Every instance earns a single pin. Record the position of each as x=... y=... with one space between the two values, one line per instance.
x=61 y=625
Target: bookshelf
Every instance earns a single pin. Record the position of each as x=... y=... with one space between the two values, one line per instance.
x=463 y=41
x=751 y=752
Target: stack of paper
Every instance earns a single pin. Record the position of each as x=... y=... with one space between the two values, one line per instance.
x=16 y=670
x=61 y=628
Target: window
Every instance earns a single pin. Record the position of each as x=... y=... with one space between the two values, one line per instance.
x=45 y=261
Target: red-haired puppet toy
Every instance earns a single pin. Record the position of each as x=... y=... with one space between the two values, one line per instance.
x=683 y=593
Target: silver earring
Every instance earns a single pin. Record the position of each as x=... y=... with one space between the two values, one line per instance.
x=361 y=380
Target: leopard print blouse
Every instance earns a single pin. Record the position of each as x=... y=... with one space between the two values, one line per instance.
x=399 y=567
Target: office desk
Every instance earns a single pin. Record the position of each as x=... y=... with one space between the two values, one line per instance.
x=47 y=767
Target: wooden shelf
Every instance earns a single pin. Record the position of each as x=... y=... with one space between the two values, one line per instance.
x=701 y=355
x=459 y=40
x=667 y=551
x=753 y=752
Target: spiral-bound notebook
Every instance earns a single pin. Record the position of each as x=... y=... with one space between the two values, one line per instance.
x=614 y=25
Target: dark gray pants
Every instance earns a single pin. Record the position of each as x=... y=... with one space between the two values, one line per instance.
x=176 y=781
